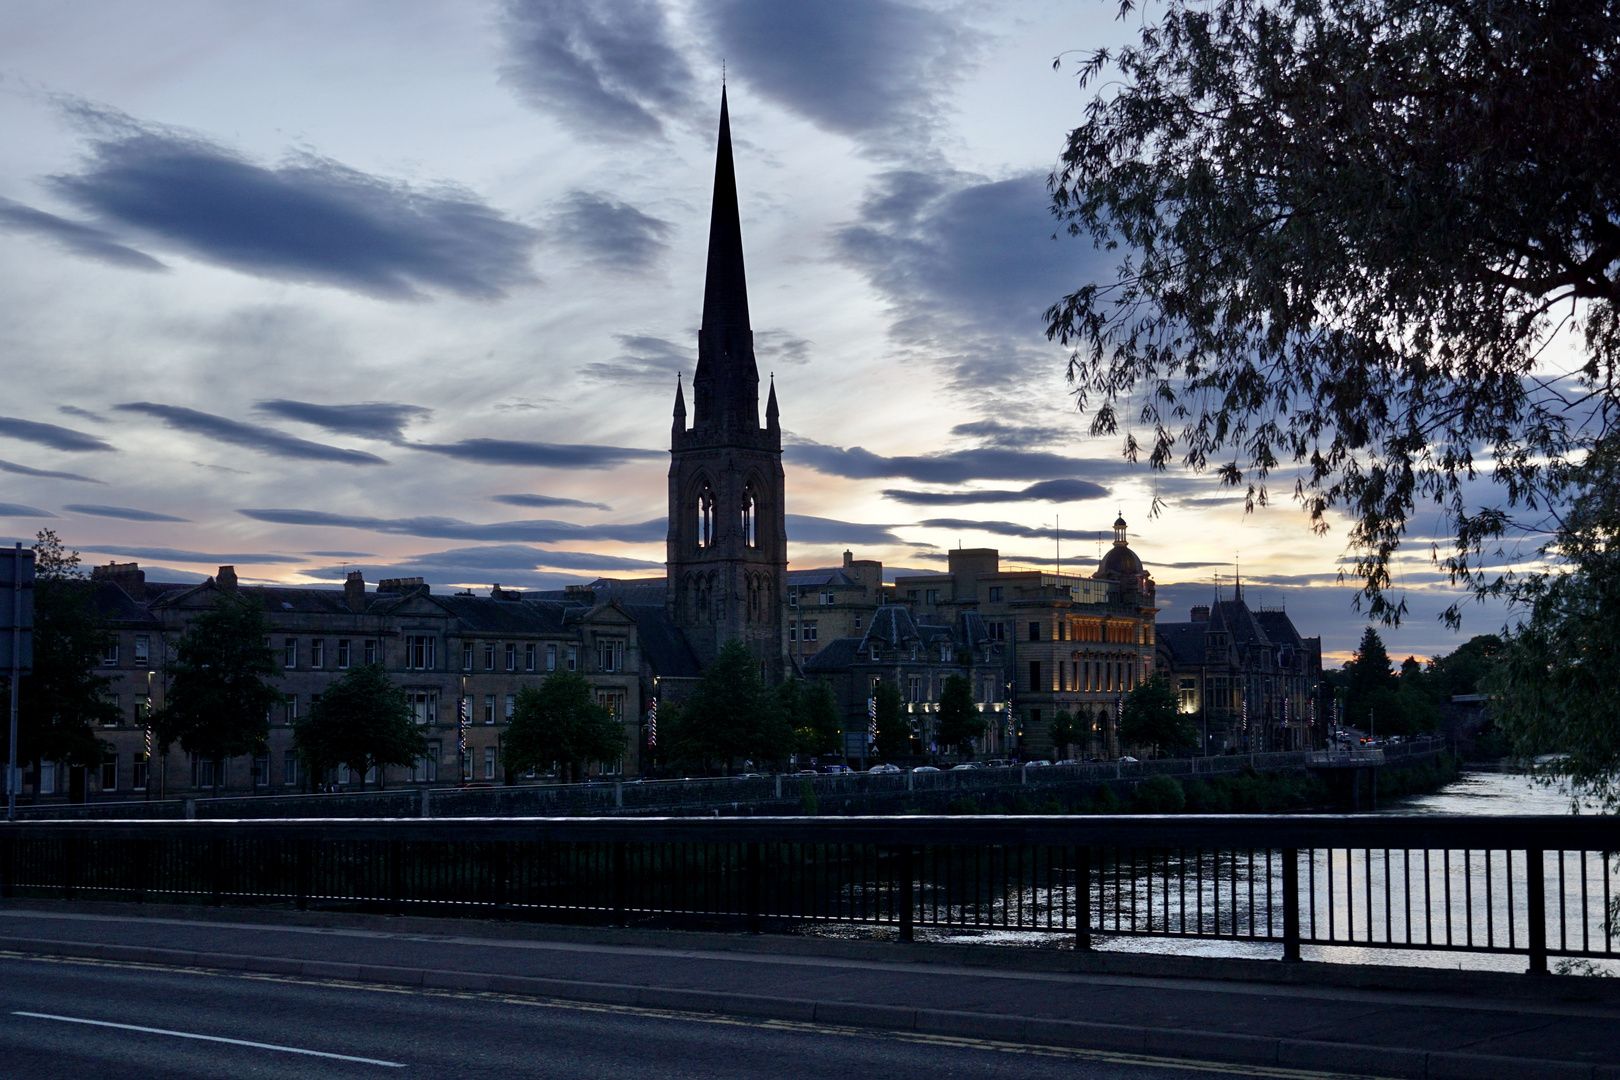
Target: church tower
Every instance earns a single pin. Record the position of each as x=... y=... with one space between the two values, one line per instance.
x=727 y=548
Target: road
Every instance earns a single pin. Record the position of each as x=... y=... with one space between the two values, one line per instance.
x=77 y=1019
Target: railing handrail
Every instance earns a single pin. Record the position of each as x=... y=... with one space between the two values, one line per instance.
x=1360 y=831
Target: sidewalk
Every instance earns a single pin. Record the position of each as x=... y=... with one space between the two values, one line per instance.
x=1486 y=1026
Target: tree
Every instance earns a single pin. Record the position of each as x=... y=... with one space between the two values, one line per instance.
x=560 y=723
x=730 y=716
x=1152 y=717
x=812 y=712
x=218 y=702
x=1066 y=731
x=361 y=720
x=959 y=719
x=1347 y=231
x=1416 y=709
x=63 y=697
x=893 y=723
x=1370 y=691
x=1463 y=670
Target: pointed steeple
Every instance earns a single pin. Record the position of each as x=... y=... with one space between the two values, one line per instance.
x=772 y=414
x=680 y=400
x=725 y=388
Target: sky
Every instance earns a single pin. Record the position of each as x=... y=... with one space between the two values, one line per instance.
x=405 y=287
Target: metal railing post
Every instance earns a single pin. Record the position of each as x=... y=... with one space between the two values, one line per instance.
x=301 y=875
x=1082 y=898
x=908 y=893
x=396 y=877
x=8 y=866
x=216 y=861
x=753 y=883
x=1536 y=902
x=621 y=883
x=1290 y=901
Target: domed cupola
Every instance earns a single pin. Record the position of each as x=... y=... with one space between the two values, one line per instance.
x=1120 y=562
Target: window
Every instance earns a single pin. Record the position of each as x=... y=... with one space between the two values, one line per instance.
x=793 y=598
x=289 y=709
x=1188 y=694
x=343 y=654
x=573 y=658
x=530 y=653
x=317 y=653
x=116 y=710
x=419 y=652
x=944 y=652
x=911 y=594
x=874 y=652
x=109 y=773
x=612 y=701
x=810 y=630
x=511 y=656
x=489 y=656
x=489 y=708
x=995 y=594
x=511 y=707
x=109 y=653
x=705 y=512
x=827 y=598
x=140 y=773
x=1034 y=631
x=47 y=778
x=793 y=631
x=138 y=712
x=551 y=658
x=931 y=596
x=426 y=769
x=1035 y=676
x=343 y=774
x=289 y=770
x=489 y=763
x=914 y=688
x=424 y=705
x=289 y=652
x=857 y=622
x=750 y=508
x=610 y=655
x=466 y=656
x=202 y=772
x=261 y=770
x=372 y=654
x=143 y=649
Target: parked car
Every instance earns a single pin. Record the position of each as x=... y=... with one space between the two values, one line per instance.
x=998 y=764
x=925 y=768
x=884 y=768
x=1068 y=761
x=1042 y=761
x=837 y=770
x=966 y=765
x=1128 y=757
x=805 y=772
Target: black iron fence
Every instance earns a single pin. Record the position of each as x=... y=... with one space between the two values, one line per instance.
x=1535 y=886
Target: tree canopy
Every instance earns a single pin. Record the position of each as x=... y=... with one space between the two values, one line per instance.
x=811 y=710
x=559 y=722
x=1347 y=232
x=1152 y=716
x=64 y=696
x=959 y=720
x=1065 y=732
x=360 y=720
x=730 y=716
x=218 y=700
x=893 y=722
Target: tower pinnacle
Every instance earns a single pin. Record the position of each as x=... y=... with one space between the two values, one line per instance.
x=725 y=388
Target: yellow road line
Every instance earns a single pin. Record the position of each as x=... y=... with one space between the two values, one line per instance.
x=1271 y=1072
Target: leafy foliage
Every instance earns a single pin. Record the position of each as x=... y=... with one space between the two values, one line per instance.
x=559 y=722
x=959 y=719
x=1066 y=731
x=893 y=724
x=1152 y=717
x=361 y=720
x=218 y=700
x=63 y=697
x=730 y=716
x=1347 y=232
x=812 y=712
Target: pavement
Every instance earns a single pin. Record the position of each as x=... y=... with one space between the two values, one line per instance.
x=1282 y=1020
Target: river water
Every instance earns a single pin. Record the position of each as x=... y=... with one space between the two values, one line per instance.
x=1473 y=793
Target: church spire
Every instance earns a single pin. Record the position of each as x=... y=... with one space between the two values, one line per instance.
x=725 y=388
x=772 y=414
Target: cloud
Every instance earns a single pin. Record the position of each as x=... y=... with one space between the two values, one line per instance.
x=546 y=500
x=1057 y=491
x=869 y=69
x=343 y=554
x=533 y=531
x=181 y=555
x=74 y=410
x=308 y=220
x=123 y=512
x=609 y=233
x=263 y=439
x=945 y=467
x=506 y=560
x=73 y=236
x=605 y=69
x=1011 y=436
x=57 y=438
x=18 y=510
x=803 y=529
x=998 y=528
x=369 y=420
x=50 y=474
x=544 y=455
x=781 y=347
x=646 y=359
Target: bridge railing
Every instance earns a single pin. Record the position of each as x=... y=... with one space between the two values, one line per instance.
x=1538 y=887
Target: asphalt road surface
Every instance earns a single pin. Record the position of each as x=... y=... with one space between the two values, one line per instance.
x=79 y=1019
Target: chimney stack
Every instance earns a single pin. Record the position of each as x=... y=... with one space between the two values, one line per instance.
x=226 y=579
x=354 y=591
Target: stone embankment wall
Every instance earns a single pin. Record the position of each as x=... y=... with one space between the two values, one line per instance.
x=1041 y=788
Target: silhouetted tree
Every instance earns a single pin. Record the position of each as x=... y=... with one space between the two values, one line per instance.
x=361 y=720
x=1152 y=716
x=560 y=722
x=959 y=719
x=893 y=723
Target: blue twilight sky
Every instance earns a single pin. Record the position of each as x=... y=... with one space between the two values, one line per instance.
x=405 y=286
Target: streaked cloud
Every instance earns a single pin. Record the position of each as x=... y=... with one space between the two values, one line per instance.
x=607 y=232
x=180 y=555
x=47 y=474
x=252 y=436
x=535 y=531
x=369 y=420
x=57 y=438
x=542 y=501
x=1057 y=491
x=645 y=359
x=944 y=467
x=73 y=236
x=544 y=455
x=123 y=513
x=18 y=510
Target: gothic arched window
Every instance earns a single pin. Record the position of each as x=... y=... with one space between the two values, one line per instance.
x=750 y=517
x=705 y=517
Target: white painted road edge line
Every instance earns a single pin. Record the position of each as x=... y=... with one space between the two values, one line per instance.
x=209 y=1038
